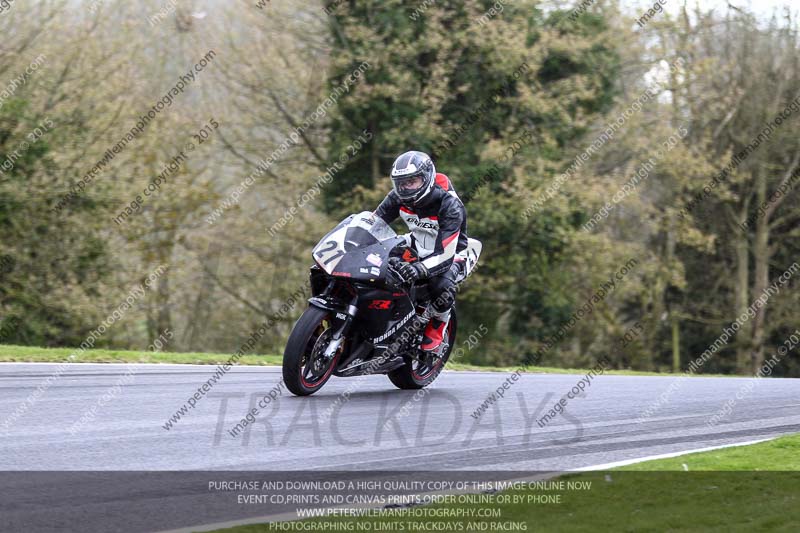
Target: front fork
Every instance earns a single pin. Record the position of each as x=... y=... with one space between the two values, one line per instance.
x=341 y=321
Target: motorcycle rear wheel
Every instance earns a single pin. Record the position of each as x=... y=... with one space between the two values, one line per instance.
x=413 y=375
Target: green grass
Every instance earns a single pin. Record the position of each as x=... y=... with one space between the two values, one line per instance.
x=781 y=454
x=32 y=354
x=723 y=490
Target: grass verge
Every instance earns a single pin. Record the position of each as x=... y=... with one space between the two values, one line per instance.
x=31 y=354
x=747 y=488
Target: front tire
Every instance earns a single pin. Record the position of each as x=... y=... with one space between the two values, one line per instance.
x=304 y=370
x=412 y=375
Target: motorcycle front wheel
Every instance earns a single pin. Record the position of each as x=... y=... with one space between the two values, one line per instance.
x=305 y=370
x=417 y=374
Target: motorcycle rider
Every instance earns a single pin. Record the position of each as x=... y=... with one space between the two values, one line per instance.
x=437 y=220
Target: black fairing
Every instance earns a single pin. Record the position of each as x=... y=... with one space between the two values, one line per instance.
x=355 y=265
x=361 y=287
x=380 y=311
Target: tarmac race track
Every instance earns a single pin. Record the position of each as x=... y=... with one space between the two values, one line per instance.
x=112 y=417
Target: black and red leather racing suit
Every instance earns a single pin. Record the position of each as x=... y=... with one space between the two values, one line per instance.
x=438 y=227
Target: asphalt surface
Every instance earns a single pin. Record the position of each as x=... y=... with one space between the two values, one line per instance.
x=373 y=427
x=435 y=430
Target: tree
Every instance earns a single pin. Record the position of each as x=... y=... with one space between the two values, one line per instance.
x=472 y=93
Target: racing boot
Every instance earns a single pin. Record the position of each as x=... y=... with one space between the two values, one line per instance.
x=434 y=332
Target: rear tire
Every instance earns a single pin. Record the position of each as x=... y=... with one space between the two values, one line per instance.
x=298 y=355
x=407 y=377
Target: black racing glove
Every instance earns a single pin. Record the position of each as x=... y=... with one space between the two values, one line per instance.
x=411 y=272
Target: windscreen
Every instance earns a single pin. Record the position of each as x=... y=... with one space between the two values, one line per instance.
x=355 y=231
x=375 y=226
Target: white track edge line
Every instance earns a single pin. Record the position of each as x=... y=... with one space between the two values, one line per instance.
x=626 y=462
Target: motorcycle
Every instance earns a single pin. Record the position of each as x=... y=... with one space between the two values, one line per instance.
x=362 y=317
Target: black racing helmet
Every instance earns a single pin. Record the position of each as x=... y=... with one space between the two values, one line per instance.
x=413 y=176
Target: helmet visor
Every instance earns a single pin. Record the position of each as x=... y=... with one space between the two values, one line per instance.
x=409 y=186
